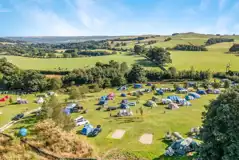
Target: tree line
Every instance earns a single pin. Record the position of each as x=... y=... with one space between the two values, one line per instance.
x=187 y=47
x=211 y=41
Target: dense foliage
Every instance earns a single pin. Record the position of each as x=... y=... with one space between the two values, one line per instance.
x=95 y=53
x=220 y=128
x=186 y=47
x=159 y=56
x=234 y=48
x=131 y=39
x=168 y=39
x=211 y=41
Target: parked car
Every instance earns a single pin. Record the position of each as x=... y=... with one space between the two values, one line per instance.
x=81 y=121
x=17 y=117
x=96 y=131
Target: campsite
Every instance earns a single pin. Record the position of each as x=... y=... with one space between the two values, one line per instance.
x=155 y=121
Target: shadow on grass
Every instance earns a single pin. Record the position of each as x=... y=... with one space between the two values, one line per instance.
x=27 y=122
x=145 y=63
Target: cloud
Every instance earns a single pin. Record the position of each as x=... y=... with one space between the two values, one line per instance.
x=222 y=4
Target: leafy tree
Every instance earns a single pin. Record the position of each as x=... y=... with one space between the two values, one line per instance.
x=107 y=83
x=159 y=55
x=51 y=55
x=66 y=55
x=172 y=71
x=141 y=111
x=216 y=84
x=206 y=84
x=55 y=84
x=220 y=128
x=74 y=54
x=226 y=84
x=138 y=49
x=10 y=100
x=118 y=81
x=176 y=86
x=75 y=93
x=124 y=67
x=153 y=87
x=137 y=74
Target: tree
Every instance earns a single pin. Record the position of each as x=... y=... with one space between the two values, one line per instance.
x=175 y=86
x=75 y=93
x=153 y=87
x=138 y=49
x=10 y=100
x=216 y=84
x=124 y=67
x=118 y=81
x=159 y=56
x=220 y=128
x=206 y=84
x=55 y=84
x=51 y=55
x=137 y=74
x=172 y=71
x=107 y=83
x=54 y=110
x=66 y=55
x=226 y=84
x=141 y=111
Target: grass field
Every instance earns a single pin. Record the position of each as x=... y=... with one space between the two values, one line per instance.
x=68 y=63
x=214 y=59
x=153 y=121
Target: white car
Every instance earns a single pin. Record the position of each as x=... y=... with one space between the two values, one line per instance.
x=81 y=122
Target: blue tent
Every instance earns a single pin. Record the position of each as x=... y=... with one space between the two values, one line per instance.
x=101 y=102
x=174 y=98
x=67 y=111
x=123 y=95
x=149 y=84
x=159 y=92
x=122 y=88
x=124 y=101
x=188 y=98
x=87 y=129
x=180 y=88
x=103 y=98
x=201 y=92
x=23 y=132
x=137 y=85
x=195 y=95
x=124 y=106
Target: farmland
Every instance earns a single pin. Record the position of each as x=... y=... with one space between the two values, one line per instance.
x=215 y=59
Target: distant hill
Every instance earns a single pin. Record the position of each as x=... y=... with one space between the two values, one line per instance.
x=9 y=40
x=56 y=39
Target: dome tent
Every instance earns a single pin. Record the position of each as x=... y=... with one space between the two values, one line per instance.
x=172 y=106
x=174 y=98
x=188 y=98
x=22 y=132
x=123 y=95
x=201 y=92
x=151 y=103
x=159 y=92
x=137 y=85
x=195 y=95
x=88 y=128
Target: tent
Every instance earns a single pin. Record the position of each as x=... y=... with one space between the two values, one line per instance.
x=40 y=100
x=67 y=111
x=217 y=91
x=195 y=95
x=103 y=102
x=137 y=85
x=201 y=92
x=88 y=128
x=131 y=103
x=155 y=99
x=124 y=101
x=21 y=101
x=182 y=90
x=124 y=112
x=123 y=88
x=22 y=132
x=174 y=98
x=172 y=106
x=149 y=84
x=124 y=106
x=111 y=96
x=166 y=101
x=103 y=98
x=188 y=98
x=123 y=95
x=159 y=92
x=185 y=103
x=2 y=100
x=151 y=103
x=209 y=91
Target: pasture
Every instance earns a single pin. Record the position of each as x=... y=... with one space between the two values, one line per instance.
x=156 y=121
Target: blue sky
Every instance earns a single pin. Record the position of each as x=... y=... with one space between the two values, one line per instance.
x=117 y=17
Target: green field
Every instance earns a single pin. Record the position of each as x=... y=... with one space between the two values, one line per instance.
x=68 y=63
x=153 y=121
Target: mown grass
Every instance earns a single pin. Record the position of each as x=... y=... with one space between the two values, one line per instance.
x=153 y=121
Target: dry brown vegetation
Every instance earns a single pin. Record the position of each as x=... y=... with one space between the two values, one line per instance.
x=13 y=149
x=63 y=144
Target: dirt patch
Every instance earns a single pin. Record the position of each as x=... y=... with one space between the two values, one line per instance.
x=146 y=138
x=118 y=134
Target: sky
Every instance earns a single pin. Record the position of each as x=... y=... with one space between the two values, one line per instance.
x=117 y=17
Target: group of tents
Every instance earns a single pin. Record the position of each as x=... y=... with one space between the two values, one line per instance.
x=104 y=99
